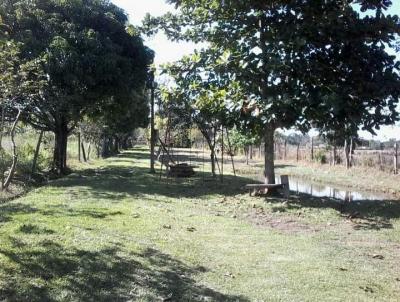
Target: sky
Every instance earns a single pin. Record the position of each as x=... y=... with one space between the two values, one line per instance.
x=167 y=51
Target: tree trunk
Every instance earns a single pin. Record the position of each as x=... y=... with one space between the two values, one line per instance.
x=88 y=152
x=152 y=130
x=312 y=149
x=212 y=156
x=35 y=158
x=395 y=159
x=352 y=148
x=104 y=151
x=2 y=126
x=83 y=152
x=347 y=153
x=115 y=145
x=334 y=154
x=11 y=172
x=269 y=172
x=79 y=146
x=230 y=152
x=298 y=152
x=60 y=148
x=285 y=152
x=2 y=172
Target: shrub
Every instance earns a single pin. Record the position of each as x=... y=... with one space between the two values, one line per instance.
x=320 y=157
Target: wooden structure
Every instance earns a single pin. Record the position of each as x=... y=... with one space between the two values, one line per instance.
x=181 y=170
x=257 y=189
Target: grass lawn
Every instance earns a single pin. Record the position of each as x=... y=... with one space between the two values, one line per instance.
x=113 y=232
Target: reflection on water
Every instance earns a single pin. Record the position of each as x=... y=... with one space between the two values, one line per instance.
x=300 y=185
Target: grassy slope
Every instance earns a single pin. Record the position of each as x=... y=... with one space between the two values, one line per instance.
x=115 y=233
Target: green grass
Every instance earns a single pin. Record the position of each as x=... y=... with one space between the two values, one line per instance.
x=113 y=232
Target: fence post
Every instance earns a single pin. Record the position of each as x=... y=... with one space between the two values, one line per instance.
x=298 y=150
x=396 y=151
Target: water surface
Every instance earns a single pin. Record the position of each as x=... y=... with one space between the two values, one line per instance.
x=301 y=185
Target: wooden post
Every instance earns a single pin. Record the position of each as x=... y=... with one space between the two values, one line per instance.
x=285 y=183
x=396 y=152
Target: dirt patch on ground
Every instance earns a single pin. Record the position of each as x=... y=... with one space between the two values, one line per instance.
x=283 y=223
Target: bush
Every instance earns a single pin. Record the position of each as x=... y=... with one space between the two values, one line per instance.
x=320 y=157
x=25 y=159
x=5 y=161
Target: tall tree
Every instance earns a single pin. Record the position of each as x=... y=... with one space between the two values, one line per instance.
x=89 y=55
x=303 y=63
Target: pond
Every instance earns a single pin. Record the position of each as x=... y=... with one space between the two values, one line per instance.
x=301 y=185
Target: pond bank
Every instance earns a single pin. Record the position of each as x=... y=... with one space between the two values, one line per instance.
x=355 y=179
x=362 y=179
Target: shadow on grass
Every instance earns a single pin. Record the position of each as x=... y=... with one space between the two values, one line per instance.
x=123 y=179
x=365 y=214
x=51 y=272
x=33 y=229
x=8 y=210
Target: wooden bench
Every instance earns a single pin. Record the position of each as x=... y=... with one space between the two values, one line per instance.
x=283 y=186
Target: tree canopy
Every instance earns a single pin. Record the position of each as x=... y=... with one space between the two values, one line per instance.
x=91 y=58
x=302 y=63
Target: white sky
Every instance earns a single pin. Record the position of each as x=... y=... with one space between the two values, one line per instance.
x=167 y=51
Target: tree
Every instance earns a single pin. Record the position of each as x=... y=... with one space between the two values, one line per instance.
x=303 y=63
x=117 y=120
x=20 y=82
x=90 y=57
x=240 y=140
x=199 y=97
